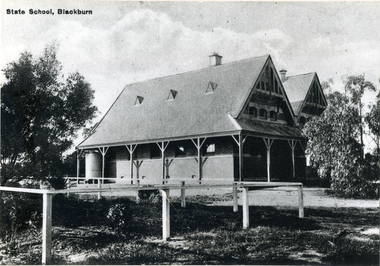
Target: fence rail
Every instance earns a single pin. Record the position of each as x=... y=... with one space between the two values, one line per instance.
x=47 y=196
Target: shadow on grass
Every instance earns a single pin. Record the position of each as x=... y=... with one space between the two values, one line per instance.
x=197 y=217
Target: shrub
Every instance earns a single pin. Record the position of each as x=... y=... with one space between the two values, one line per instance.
x=72 y=211
x=19 y=211
x=355 y=183
x=119 y=216
x=149 y=196
x=58 y=182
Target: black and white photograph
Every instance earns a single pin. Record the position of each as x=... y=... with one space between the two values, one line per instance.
x=189 y=132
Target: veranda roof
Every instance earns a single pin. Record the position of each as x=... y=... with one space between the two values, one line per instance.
x=146 y=111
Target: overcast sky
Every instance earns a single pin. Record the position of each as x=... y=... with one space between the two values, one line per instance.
x=125 y=42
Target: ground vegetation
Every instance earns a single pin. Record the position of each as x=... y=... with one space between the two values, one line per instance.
x=115 y=231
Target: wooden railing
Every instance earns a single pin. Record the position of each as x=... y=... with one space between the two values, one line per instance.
x=47 y=196
x=99 y=180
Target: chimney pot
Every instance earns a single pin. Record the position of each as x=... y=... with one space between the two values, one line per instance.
x=283 y=75
x=215 y=59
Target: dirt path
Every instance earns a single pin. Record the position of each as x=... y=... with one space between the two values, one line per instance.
x=313 y=197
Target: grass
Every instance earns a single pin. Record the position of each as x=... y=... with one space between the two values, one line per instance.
x=202 y=234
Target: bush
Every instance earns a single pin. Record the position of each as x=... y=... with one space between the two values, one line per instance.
x=19 y=211
x=356 y=182
x=152 y=196
x=72 y=211
x=58 y=182
x=119 y=217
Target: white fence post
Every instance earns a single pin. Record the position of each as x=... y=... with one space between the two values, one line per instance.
x=183 y=200
x=99 y=186
x=300 y=202
x=46 y=227
x=245 y=208
x=235 y=199
x=165 y=214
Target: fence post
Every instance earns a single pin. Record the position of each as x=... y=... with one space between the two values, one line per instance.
x=300 y=201
x=137 y=191
x=235 y=199
x=245 y=208
x=46 y=228
x=183 y=200
x=165 y=214
x=99 y=186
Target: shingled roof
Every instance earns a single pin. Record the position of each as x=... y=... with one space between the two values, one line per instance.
x=296 y=88
x=198 y=103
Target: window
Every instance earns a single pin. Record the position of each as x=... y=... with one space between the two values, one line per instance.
x=263 y=114
x=155 y=151
x=252 y=111
x=210 y=148
x=180 y=151
x=273 y=115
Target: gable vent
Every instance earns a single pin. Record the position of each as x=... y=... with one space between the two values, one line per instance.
x=172 y=94
x=211 y=87
x=139 y=100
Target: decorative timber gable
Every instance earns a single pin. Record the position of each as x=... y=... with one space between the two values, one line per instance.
x=314 y=103
x=267 y=100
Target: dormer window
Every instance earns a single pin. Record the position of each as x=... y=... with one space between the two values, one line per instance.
x=139 y=100
x=172 y=95
x=211 y=87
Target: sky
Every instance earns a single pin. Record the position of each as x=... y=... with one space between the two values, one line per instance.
x=123 y=42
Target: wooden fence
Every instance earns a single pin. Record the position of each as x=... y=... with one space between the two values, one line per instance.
x=165 y=192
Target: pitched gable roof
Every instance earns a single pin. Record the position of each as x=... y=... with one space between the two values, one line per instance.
x=300 y=90
x=193 y=112
x=297 y=88
x=269 y=82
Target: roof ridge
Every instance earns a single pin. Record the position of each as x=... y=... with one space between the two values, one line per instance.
x=195 y=71
x=304 y=74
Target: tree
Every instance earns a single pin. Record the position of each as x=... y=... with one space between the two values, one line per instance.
x=333 y=143
x=373 y=120
x=41 y=114
x=356 y=86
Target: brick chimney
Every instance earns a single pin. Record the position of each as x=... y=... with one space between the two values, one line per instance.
x=215 y=59
x=283 y=75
